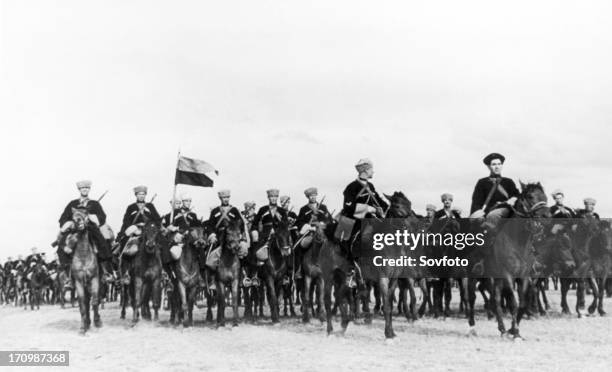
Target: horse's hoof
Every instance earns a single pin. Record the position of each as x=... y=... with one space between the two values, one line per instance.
x=602 y=312
x=235 y=323
x=517 y=338
x=82 y=331
x=591 y=310
x=98 y=323
x=472 y=331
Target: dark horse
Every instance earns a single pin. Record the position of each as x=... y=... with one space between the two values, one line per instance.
x=513 y=255
x=84 y=269
x=187 y=270
x=591 y=246
x=228 y=271
x=146 y=269
x=37 y=281
x=275 y=267
x=399 y=217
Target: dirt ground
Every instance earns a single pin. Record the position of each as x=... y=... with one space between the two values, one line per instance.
x=553 y=342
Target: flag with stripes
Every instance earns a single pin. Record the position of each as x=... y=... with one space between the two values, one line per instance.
x=194 y=172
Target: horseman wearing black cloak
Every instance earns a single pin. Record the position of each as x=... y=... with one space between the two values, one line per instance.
x=97 y=221
x=494 y=194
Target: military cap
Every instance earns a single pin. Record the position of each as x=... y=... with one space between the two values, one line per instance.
x=492 y=156
x=446 y=195
x=82 y=184
x=311 y=191
x=590 y=201
x=364 y=164
x=272 y=192
x=139 y=189
x=185 y=196
x=224 y=193
x=284 y=199
x=557 y=192
x=249 y=205
x=430 y=207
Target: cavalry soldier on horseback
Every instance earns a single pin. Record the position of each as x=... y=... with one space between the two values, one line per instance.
x=219 y=217
x=249 y=213
x=186 y=217
x=589 y=209
x=360 y=201
x=170 y=227
x=136 y=215
x=559 y=210
x=493 y=195
x=97 y=224
x=447 y=211
x=310 y=213
x=266 y=218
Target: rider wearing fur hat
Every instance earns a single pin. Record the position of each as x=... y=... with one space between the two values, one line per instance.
x=136 y=214
x=97 y=219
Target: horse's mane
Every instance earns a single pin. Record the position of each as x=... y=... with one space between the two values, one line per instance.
x=530 y=187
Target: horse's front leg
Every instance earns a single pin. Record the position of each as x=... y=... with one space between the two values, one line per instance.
x=328 y=305
x=273 y=300
x=157 y=294
x=385 y=293
x=220 y=303
x=523 y=290
x=595 y=289
x=94 y=291
x=137 y=301
x=307 y=280
x=602 y=288
x=235 y=298
x=80 y=289
x=497 y=300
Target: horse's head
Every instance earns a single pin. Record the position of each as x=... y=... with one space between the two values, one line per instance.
x=400 y=207
x=196 y=237
x=231 y=236
x=282 y=236
x=150 y=237
x=80 y=217
x=532 y=202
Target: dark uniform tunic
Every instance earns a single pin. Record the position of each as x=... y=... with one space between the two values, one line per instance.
x=311 y=212
x=266 y=218
x=92 y=207
x=357 y=193
x=505 y=190
x=442 y=214
x=561 y=211
x=220 y=215
x=185 y=219
x=581 y=213
x=137 y=213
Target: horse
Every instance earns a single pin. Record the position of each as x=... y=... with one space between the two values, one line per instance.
x=312 y=276
x=400 y=216
x=38 y=277
x=228 y=270
x=146 y=270
x=84 y=269
x=187 y=269
x=513 y=254
x=275 y=267
x=592 y=249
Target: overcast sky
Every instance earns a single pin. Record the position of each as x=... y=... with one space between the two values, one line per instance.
x=290 y=94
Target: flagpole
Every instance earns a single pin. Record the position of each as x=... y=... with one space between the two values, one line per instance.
x=178 y=156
